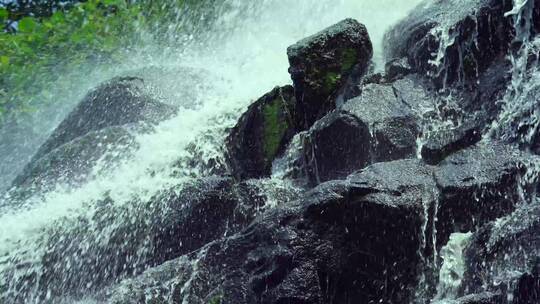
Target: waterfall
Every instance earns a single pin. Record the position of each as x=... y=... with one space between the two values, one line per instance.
x=82 y=238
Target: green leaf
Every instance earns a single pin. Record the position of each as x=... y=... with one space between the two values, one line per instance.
x=4 y=60
x=111 y=2
x=58 y=17
x=27 y=24
x=4 y=15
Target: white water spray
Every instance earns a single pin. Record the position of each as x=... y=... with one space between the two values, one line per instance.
x=245 y=61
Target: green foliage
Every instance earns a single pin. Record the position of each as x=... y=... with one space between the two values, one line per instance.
x=3 y=15
x=43 y=51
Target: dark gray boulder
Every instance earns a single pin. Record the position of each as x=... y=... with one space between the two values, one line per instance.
x=441 y=143
x=321 y=66
x=133 y=237
x=374 y=127
x=74 y=162
x=366 y=239
x=397 y=68
x=478 y=185
x=117 y=102
x=504 y=257
x=104 y=123
x=392 y=123
x=453 y=40
x=464 y=46
x=335 y=146
x=482 y=298
x=262 y=133
x=419 y=95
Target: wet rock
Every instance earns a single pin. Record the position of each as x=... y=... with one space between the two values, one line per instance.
x=463 y=47
x=337 y=145
x=262 y=133
x=146 y=233
x=392 y=123
x=176 y=85
x=482 y=298
x=117 y=102
x=73 y=163
x=442 y=143
x=345 y=242
x=365 y=239
x=477 y=185
x=418 y=94
x=376 y=78
x=322 y=65
x=374 y=127
x=454 y=40
x=504 y=257
x=397 y=68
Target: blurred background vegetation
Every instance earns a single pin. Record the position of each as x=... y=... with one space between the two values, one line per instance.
x=43 y=42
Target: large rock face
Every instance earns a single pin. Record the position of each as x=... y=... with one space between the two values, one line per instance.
x=376 y=126
x=117 y=102
x=74 y=162
x=146 y=233
x=464 y=46
x=477 y=185
x=105 y=121
x=504 y=257
x=365 y=239
x=326 y=248
x=322 y=65
x=262 y=133
x=454 y=40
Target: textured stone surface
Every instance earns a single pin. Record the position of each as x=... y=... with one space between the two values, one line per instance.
x=262 y=133
x=364 y=239
x=374 y=127
x=504 y=257
x=322 y=65
x=441 y=143
x=117 y=102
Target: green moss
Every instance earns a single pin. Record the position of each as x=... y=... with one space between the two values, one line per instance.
x=215 y=300
x=348 y=59
x=275 y=127
x=331 y=80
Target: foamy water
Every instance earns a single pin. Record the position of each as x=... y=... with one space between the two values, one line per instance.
x=245 y=62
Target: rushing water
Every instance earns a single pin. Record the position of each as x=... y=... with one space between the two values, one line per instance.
x=80 y=227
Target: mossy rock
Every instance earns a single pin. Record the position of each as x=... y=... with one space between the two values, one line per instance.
x=262 y=133
x=324 y=65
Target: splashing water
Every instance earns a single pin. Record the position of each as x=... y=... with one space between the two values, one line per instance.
x=520 y=119
x=75 y=231
x=453 y=266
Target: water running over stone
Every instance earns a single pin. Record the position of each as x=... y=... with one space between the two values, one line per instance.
x=78 y=238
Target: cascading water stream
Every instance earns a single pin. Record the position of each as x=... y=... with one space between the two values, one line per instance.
x=75 y=240
x=519 y=119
